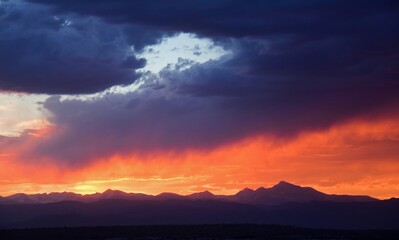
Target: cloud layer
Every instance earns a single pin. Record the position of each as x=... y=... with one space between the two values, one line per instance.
x=294 y=67
x=45 y=52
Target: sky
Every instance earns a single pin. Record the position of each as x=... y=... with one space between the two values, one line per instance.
x=187 y=96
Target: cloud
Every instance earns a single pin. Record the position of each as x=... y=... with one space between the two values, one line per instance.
x=62 y=47
x=294 y=67
x=202 y=108
x=234 y=18
x=45 y=52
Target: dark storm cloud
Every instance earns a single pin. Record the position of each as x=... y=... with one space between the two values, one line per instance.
x=294 y=66
x=41 y=52
x=212 y=104
x=237 y=18
x=303 y=42
x=133 y=123
x=283 y=101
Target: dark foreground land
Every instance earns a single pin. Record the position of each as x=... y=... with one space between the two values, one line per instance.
x=241 y=231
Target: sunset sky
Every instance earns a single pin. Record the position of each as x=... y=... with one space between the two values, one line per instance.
x=186 y=96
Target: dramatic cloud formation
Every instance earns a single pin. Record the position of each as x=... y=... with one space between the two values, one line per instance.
x=357 y=157
x=211 y=104
x=293 y=68
x=43 y=52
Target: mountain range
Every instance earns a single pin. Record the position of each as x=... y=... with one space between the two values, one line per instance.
x=284 y=203
x=281 y=193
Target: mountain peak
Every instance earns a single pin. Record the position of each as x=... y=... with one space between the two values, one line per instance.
x=260 y=189
x=245 y=192
x=204 y=193
x=169 y=195
x=110 y=191
x=285 y=184
x=201 y=195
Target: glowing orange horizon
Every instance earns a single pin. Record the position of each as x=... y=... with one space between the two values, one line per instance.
x=358 y=158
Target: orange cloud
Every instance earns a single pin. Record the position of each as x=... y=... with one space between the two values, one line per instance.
x=353 y=158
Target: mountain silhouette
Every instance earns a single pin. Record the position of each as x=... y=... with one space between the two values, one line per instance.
x=201 y=195
x=284 y=203
x=281 y=193
x=285 y=192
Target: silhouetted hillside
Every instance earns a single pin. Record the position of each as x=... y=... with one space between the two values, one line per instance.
x=283 y=203
x=279 y=194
